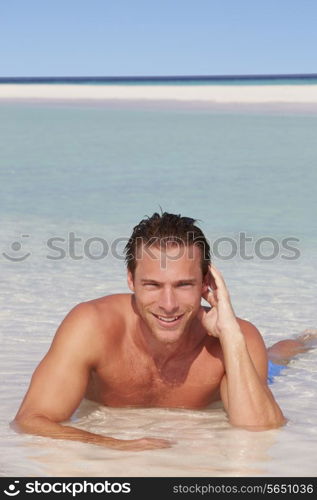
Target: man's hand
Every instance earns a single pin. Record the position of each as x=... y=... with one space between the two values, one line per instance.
x=220 y=319
x=244 y=392
x=45 y=427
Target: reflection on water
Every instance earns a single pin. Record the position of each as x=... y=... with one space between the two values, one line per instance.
x=206 y=445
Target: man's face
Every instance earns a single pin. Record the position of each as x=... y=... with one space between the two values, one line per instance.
x=168 y=284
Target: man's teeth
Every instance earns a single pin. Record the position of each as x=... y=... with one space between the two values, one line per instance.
x=168 y=320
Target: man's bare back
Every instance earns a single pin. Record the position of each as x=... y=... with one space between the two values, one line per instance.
x=127 y=375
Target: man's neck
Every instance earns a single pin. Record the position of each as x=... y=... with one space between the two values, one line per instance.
x=164 y=353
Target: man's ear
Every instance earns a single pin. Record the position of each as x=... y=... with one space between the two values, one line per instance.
x=205 y=283
x=130 y=281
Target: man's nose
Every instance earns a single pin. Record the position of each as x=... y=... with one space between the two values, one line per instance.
x=168 y=301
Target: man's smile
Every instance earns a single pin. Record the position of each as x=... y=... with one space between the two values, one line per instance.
x=167 y=321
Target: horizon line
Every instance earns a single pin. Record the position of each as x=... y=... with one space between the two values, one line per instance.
x=164 y=77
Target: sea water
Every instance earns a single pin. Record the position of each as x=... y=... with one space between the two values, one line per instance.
x=74 y=180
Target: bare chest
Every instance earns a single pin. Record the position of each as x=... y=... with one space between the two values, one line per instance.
x=138 y=382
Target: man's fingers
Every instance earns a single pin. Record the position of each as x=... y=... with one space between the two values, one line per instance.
x=219 y=281
x=209 y=297
x=211 y=279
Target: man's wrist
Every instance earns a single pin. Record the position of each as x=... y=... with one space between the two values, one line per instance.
x=231 y=336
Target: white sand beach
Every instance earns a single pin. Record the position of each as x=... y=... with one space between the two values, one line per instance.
x=213 y=94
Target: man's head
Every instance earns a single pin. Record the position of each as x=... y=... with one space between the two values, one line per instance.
x=167 y=258
x=166 y=230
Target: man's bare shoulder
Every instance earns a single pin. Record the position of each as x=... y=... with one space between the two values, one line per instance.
x=92 y=326
x=109 y=310
x=109 y=315
x=248 y=328
x=97 y=314
x=252 y=336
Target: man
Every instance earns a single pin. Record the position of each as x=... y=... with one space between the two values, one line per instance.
x=155 y=347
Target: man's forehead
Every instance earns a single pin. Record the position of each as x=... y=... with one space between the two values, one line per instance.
x=168 y=257
x=173 y=250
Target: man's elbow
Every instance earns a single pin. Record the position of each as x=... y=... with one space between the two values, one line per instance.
x=278 y=421
x=23 y=424
x=15 y=425
x=29 y=423
x=261 y=424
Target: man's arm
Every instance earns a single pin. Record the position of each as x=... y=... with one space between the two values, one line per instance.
x=59 y=384
x=244 y=391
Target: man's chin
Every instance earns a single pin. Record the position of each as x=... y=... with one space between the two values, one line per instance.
x=166 y=334
x=167 y=337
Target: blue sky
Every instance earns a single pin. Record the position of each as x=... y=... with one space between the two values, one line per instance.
x=160 y=37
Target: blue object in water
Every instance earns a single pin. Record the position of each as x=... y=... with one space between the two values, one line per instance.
x=273 y=370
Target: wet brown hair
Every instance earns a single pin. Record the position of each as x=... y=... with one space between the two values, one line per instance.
x=164 y=229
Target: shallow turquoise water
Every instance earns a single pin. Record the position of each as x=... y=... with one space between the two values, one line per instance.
x=233 y=171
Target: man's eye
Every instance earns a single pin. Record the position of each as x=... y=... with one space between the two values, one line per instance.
x=185 y=284
x=151 y=285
